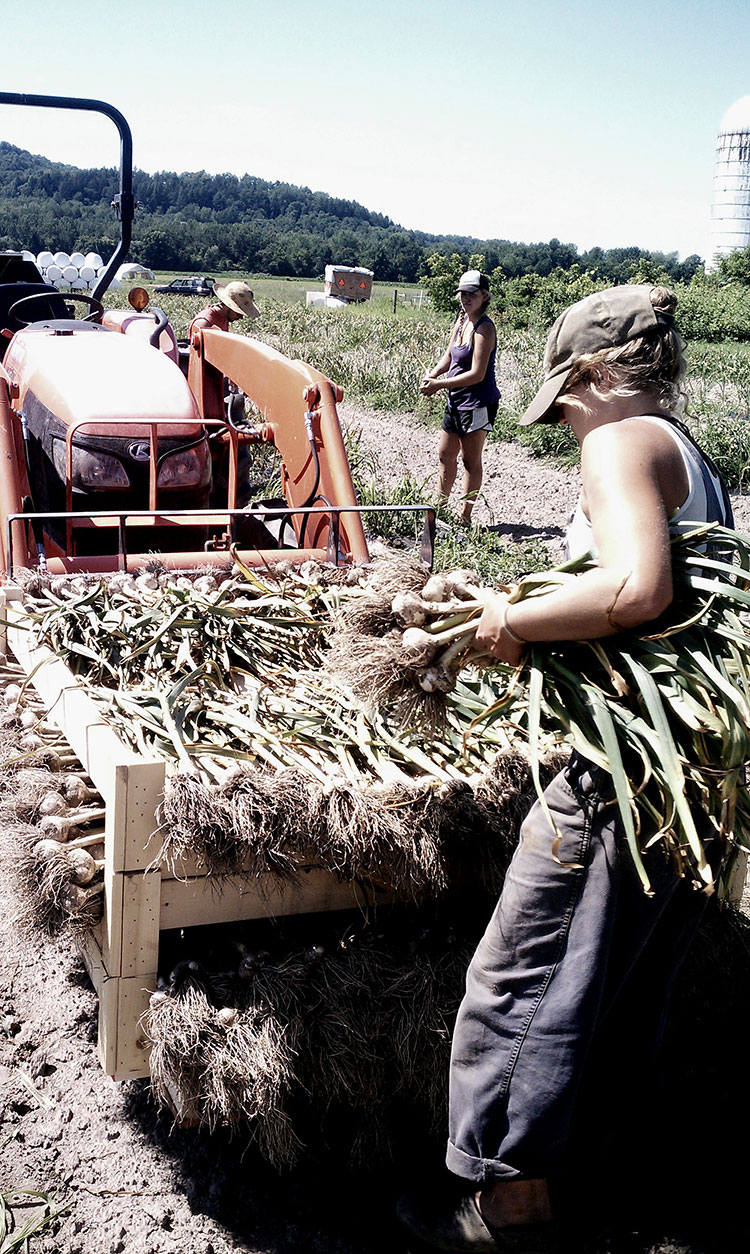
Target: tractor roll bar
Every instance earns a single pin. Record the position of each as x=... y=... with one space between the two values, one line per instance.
x=123 y=203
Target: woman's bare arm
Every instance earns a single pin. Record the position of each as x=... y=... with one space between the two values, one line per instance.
x=445 y=360
x=632 y=582
x=484 y=342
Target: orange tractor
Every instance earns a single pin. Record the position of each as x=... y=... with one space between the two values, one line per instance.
x=116 y=449
x=109 y=449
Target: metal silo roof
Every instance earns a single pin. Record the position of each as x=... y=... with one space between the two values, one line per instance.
x=737 y=117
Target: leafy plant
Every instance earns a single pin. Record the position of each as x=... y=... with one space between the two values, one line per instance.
x=45 y=1213
x=389 y=524
x=442 y=275
x=494 y=559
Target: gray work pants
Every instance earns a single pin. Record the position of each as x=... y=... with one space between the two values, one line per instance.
x=561 y=944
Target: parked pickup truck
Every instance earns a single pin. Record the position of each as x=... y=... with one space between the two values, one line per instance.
x=198 y=285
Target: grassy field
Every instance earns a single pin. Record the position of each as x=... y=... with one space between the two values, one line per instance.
x=378 y=352
x=293 y=291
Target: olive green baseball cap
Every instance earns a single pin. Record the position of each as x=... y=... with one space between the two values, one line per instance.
x=602 y=320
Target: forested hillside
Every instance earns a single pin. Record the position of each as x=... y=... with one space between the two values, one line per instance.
x=199 y=221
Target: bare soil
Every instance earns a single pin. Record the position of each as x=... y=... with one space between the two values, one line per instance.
x=667 y=1178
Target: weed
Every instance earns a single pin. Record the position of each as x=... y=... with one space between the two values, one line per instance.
x=494 y=560
x=397 y=523
x=45 y=1212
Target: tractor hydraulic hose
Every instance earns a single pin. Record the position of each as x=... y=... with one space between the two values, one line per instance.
x=316 y=462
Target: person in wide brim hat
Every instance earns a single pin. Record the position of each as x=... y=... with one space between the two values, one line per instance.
x=238 y=297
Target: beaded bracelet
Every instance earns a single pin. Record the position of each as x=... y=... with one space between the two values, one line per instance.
x=506 y=627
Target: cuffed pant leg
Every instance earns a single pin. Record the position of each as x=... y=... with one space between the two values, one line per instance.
x=535 y=986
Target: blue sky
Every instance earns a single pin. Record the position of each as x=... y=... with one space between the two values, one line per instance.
x=586 y=120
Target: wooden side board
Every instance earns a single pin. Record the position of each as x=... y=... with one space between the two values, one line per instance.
x=121 y=1043
x=187 y=903
x=142 y=904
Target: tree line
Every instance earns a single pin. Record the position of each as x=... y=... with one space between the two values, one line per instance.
x=221 y=222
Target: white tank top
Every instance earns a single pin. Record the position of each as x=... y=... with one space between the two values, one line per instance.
x=579 y=536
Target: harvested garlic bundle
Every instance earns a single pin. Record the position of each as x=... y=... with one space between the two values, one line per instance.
x=44 y=850
x=409 y=608
x=57 y=827
x=459 y=583
x=436 y=589
x=82 y=866
x=74 y=899
x=438 y=679
x=52 y=803
x=76 y=792
x=418 y=645
x=65 y=826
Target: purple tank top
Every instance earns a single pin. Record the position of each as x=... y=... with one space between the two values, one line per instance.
x=484 y=393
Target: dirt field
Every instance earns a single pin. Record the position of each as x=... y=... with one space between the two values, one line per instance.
x=666 y=1179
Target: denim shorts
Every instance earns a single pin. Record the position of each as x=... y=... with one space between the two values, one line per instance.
x=467 y=421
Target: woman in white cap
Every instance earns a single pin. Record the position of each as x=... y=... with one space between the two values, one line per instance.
x=574 y=934
x=234 y=300
x=466 y=373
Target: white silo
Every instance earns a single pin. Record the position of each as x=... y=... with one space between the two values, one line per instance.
x=730 y=210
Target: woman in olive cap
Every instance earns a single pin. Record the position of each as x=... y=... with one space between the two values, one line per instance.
x=573 y=924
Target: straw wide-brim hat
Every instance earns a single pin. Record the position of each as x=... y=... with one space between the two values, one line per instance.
x=239 y=297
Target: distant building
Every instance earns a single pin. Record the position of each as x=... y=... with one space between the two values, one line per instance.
x=730 y=210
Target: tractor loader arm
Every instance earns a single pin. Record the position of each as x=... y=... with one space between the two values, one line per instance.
x=298 y=407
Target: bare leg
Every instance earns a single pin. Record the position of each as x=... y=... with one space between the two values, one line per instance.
x=448 y=450
x=472 y=446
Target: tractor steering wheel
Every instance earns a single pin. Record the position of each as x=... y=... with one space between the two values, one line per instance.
x=96 y=306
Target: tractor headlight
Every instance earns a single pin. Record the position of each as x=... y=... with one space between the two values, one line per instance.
x=91 y=469
x=186 y=468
